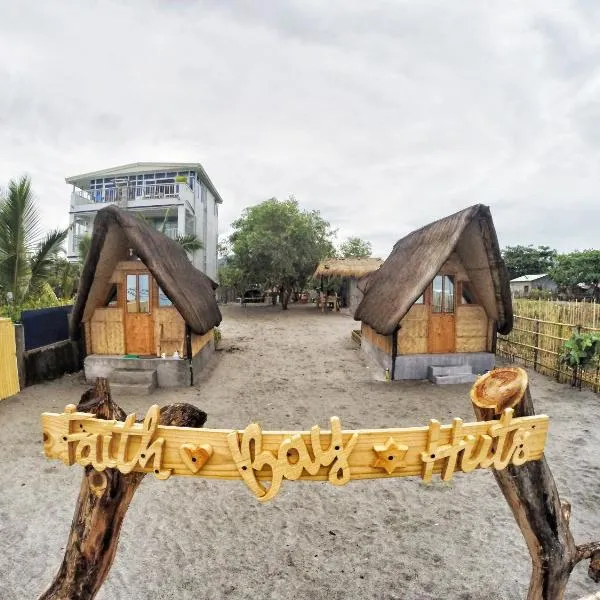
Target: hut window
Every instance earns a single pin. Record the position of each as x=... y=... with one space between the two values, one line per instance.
x=443 y=294
x=419 y=300
x=467 y=294
x=138 y=293
x=163 y=300
x=112 y=298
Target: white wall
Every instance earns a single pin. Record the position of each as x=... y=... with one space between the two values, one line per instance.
x=211 y=235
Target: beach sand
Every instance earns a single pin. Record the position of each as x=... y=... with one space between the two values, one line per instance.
x=386 y=539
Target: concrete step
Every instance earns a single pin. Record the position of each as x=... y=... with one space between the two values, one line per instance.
x=442 y=375
x=131 y=389
x=449 y=370
x=446 y=379
x=133 y=376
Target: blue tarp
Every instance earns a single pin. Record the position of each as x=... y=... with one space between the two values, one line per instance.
x=45 y=326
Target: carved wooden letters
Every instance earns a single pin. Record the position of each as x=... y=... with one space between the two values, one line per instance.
x=264 y=459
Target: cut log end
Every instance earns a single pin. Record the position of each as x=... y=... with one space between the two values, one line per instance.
x=500 y=389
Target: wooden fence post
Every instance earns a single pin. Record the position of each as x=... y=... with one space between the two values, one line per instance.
x=531 y=494
x=536 y=343
x=103 y=500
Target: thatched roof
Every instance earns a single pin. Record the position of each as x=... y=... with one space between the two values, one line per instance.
x=417 y=258
x=347 y=267
x=117 y=231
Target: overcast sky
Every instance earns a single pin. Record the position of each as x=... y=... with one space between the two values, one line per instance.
x=382 y=115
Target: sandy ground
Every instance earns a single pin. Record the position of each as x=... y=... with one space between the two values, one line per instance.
x=197 y=539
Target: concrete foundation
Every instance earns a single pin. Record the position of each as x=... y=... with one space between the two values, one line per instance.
x=415 y=366
x=170 y=372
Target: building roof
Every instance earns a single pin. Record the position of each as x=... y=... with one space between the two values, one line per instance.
x=83 y=180
x=117 y=231
x=347 y=267
x=526 y=278
x=416 y=259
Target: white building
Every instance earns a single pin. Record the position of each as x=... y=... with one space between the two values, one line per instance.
x=521 y=287
x=178 y=197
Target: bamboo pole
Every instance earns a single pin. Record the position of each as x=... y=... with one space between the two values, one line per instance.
x=103 y=501
x=532 y=494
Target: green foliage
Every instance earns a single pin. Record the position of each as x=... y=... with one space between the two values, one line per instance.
x=189 y=242
x=217 y=335
x=26 y=255
x=47 y=298
x=527 y=260
x=577 y=267
x=355 y=247
x=581 y=350
x=83 y=248
x=275 y=243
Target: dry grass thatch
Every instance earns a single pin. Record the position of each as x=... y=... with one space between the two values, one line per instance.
x=347 y=267
x=417 y=258
x=116 y=232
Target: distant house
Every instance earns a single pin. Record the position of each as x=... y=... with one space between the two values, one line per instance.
x=521 y=287
x=349 y=270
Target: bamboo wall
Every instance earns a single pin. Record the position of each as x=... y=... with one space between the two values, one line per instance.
x=9 y=376
x=414 y=327
x=169 y=331
x=106 y=331
x=382 y=342
x=472 y=329
x=199 y=341
x=540 y=330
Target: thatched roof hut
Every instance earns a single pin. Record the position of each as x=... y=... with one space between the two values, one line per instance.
x=347 y=267
x=417 y=258
x=444 y=289
x=117 y=234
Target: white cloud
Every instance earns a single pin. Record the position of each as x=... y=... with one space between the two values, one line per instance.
x=384 y=115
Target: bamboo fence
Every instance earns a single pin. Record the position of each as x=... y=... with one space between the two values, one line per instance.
x=541 y=328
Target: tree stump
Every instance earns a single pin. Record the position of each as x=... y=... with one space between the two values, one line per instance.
x=531 y=493
x=102 y=504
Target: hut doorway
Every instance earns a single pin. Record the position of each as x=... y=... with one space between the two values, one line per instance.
x=139 y=326
x=442 y=325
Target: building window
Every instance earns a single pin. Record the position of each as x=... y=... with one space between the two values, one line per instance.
x=467 y=294
x=138 y=293
x=163 y=300
x=112 y=300
x=419 y=300
x=443 y=294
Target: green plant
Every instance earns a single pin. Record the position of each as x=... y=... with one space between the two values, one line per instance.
x=217 y=335
x=580 y=351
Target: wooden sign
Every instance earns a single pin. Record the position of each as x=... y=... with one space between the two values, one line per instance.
x=258 y=457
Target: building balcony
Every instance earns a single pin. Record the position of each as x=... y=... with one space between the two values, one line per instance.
x=133 y=197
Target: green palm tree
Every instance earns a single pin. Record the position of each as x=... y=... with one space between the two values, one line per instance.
x=26 y=256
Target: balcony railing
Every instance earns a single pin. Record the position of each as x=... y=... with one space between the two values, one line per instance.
x=142 y=192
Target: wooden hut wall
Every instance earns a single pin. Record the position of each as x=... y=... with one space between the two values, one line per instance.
x=472 y=326
x=382 y=342
x=107 y=332
x=200 y=341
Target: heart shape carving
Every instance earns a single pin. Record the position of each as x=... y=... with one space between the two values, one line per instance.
x=195 y=457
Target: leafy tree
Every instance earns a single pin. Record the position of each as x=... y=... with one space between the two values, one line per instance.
x=275 y=243
x=355 y=247
x=83 y=248
x=578 y=267
x=26 y=256
x=527 y=260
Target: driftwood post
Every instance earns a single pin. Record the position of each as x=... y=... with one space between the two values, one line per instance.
x=103 y=501
x=531 y=494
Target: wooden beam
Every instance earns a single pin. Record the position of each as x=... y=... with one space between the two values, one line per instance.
x=532 y=495
x=102 y=504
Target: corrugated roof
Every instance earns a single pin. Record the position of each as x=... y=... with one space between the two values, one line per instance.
x=347 y=267
x=526 y=278
x=146 y=167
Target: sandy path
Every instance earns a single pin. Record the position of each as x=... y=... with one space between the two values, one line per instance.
x=196 y=539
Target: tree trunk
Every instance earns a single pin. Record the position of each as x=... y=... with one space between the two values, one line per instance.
x=285 y=296
x=531 y=493
x=103 y=501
